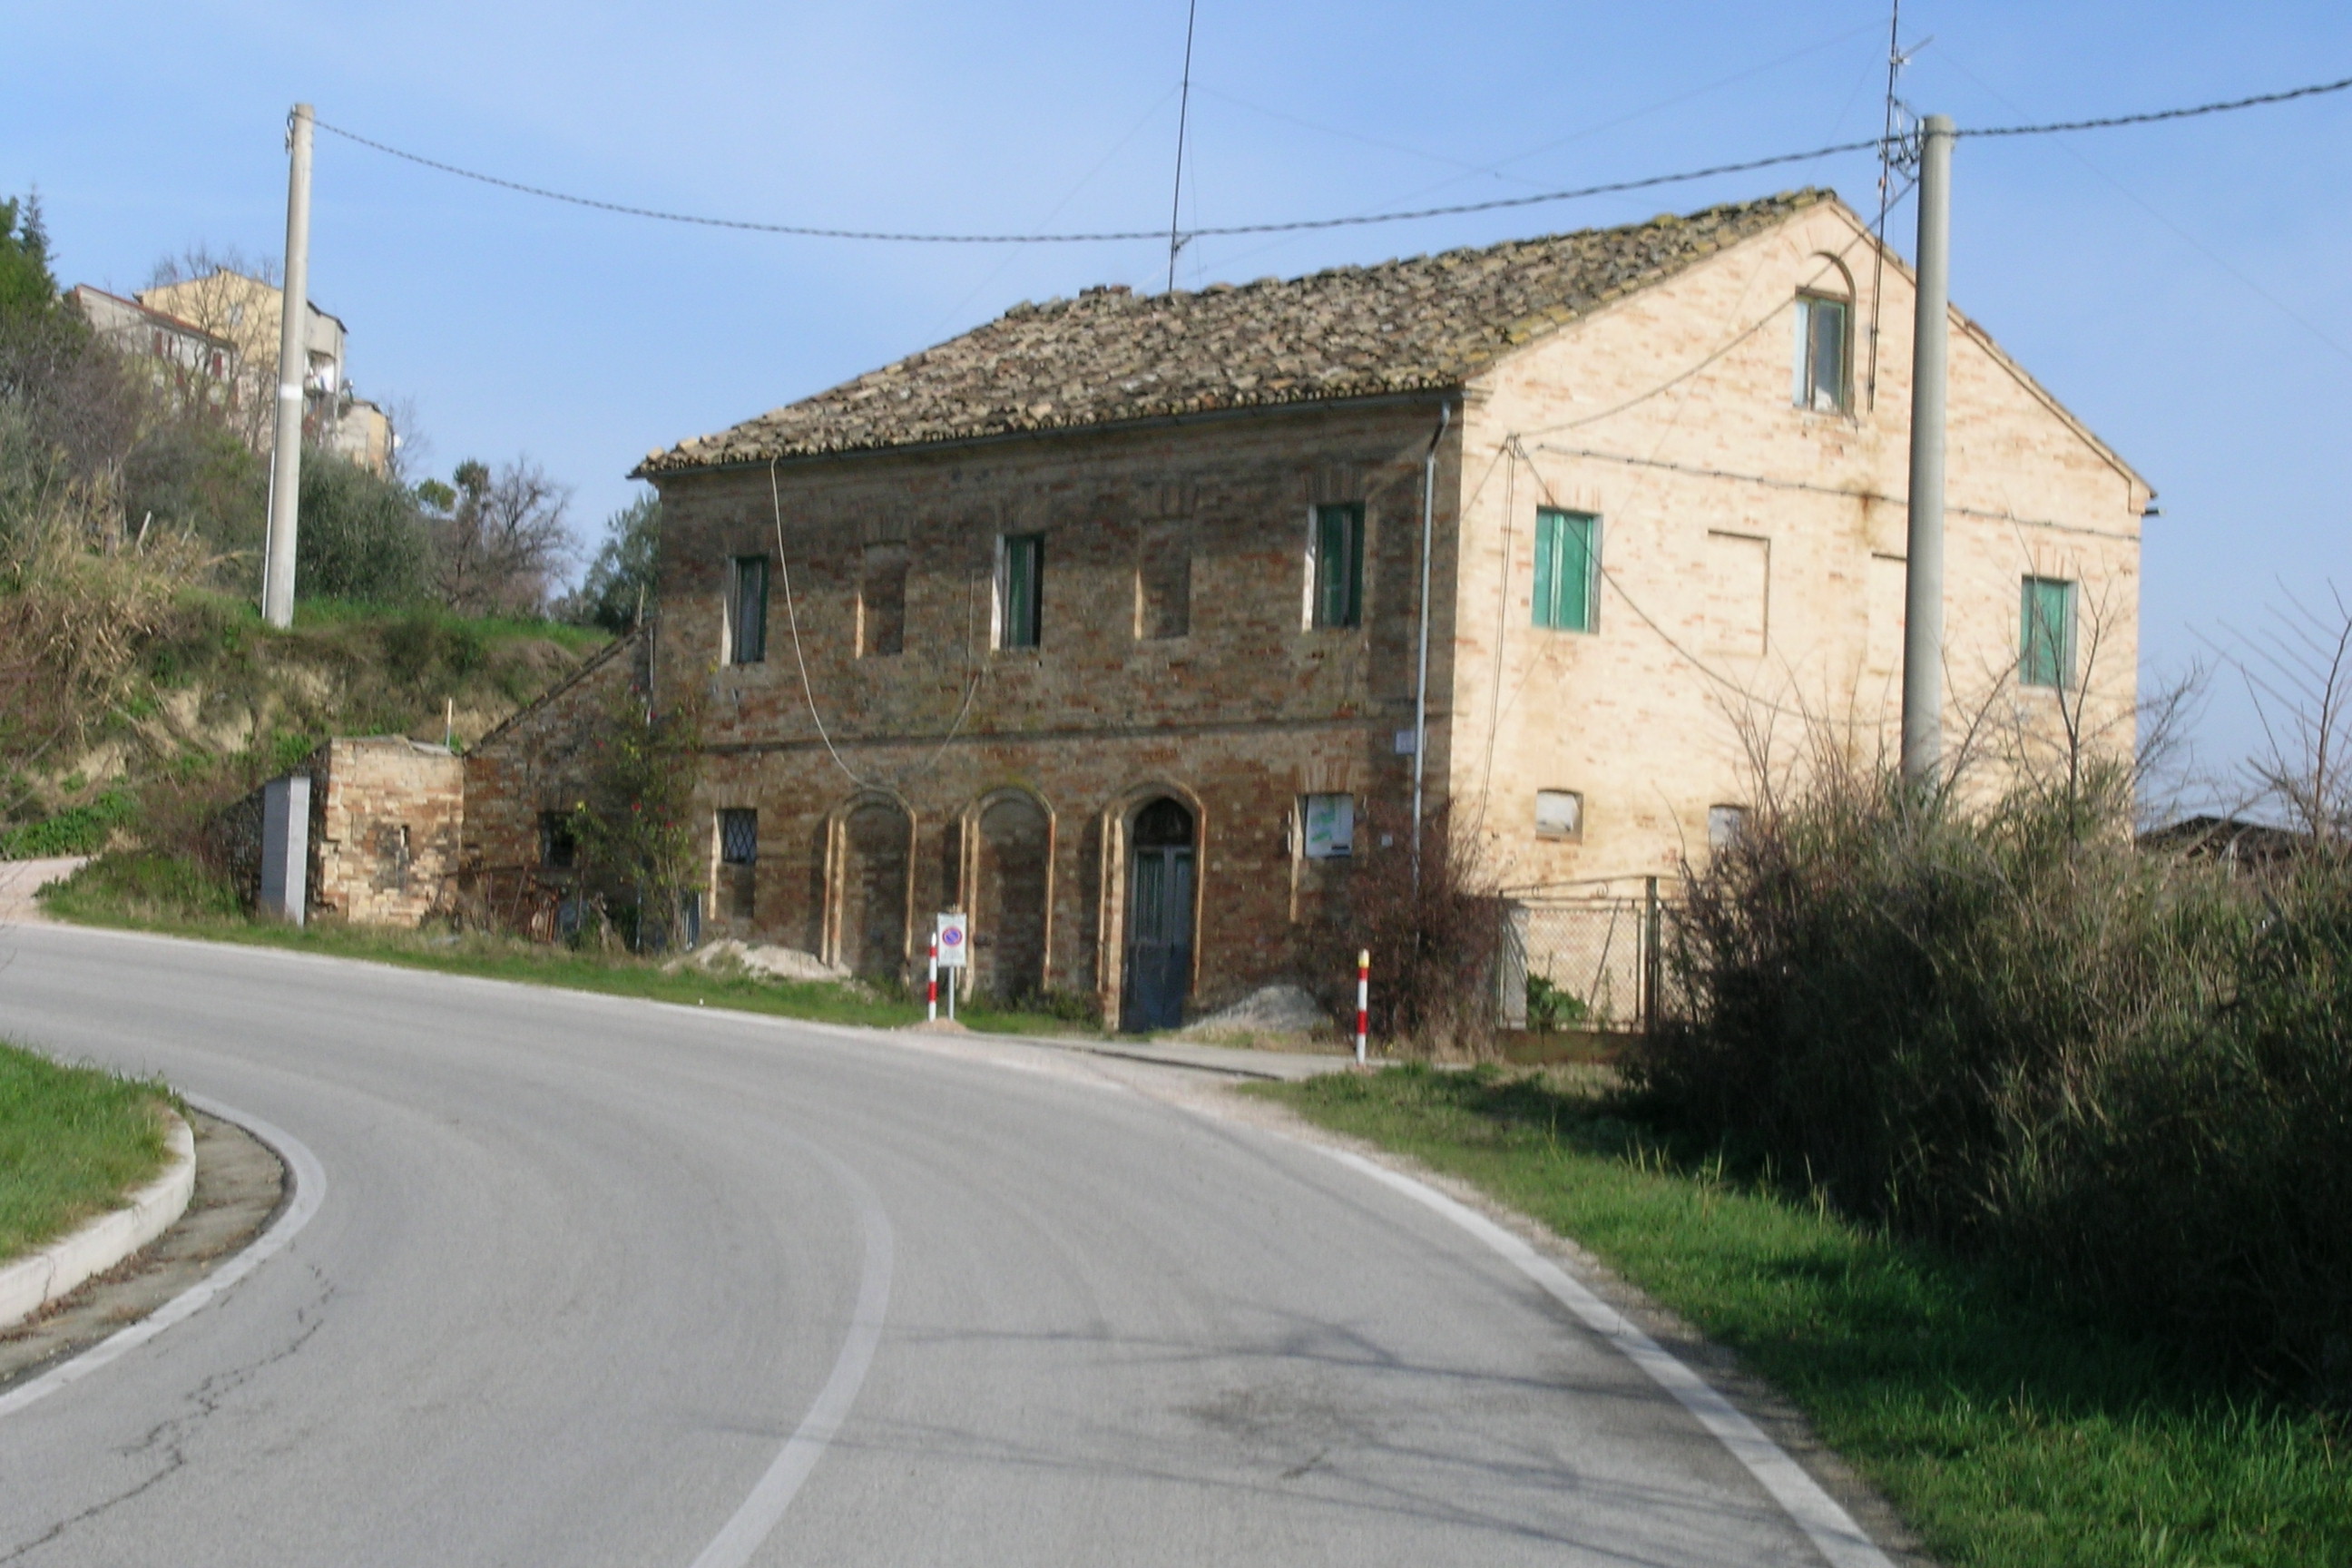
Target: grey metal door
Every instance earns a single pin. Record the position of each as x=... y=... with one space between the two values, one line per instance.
x=1159 y=919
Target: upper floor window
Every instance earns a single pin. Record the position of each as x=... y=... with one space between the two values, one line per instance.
x=1336 y=566
x=1568 y=569
x=1164 y=581
x=1020 y=590
x=2045 y=639
x=747 y=609
x=882 y=601
x=1824 y=339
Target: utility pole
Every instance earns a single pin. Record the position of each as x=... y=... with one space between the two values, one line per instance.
x=1923 y=575
x=293 y=370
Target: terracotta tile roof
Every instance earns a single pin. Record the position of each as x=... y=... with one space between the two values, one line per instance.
x=1111 y=355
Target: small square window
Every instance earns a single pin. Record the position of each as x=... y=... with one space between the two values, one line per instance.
x=1559 y=814
x=739 y=837
x=1568 y=569
x=1725 y=825
x=2045 y=638
x=1020 y=590
x=1328 y=827
x=1336 y=566
x=559 y=850
x=747 y=610
x=1824 y=336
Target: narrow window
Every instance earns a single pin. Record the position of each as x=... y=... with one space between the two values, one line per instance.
x=739 y=837
x=1725 y=825
x=1164 y=582
x=1559 y=814
x=747 y=609
x=1821 y=345
x=1568 y=569
x=558 y=849
x=1339 y=566
x=1020 y=590
x=2046 y=640
x=738 y=858
x=1329 y=824
x=882 y=601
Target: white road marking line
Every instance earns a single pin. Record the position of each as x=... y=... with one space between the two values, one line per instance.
x=761 y=1512
x=310 y=1179
x=1829 y=1526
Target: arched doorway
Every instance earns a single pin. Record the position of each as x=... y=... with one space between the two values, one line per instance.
x=1008 y=915
x=874 y=848
x=1159 y=967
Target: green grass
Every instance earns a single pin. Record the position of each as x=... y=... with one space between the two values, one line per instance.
x=146 y=891
x=72 y=1141
x=2005 y=1434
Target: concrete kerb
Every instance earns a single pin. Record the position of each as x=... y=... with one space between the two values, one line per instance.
x=31 y=1283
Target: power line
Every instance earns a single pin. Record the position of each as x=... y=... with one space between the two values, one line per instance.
x=1183 y=120
x=1498 y=203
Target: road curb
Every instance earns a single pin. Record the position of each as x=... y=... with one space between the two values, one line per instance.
x=31 y=1283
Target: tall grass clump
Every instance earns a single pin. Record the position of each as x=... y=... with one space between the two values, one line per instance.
x=2003 y=1026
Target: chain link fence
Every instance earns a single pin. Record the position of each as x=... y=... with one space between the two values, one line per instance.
x=1585 y=956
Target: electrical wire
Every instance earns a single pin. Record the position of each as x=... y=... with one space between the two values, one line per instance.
x=1498 y=203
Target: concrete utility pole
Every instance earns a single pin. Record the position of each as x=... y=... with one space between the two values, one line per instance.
x=1923 y=575
x=293 y=370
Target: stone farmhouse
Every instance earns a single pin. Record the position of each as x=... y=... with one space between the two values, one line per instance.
x=1103 y=621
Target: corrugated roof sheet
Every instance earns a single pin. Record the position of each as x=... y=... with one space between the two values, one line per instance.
x=1111 y=355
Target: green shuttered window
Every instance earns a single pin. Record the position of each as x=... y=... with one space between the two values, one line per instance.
x=747 y=610
x=1021 y=590
x=2045 y=639
x=1568 y=569
x=1340 y=565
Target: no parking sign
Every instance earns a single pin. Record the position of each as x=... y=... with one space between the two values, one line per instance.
x=955 y=941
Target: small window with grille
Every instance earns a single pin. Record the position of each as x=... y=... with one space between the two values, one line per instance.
x=739 y=837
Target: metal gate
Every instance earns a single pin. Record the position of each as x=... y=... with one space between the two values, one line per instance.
x=1583 y=955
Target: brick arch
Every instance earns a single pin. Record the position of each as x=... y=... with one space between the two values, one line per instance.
x=1007 y=880
x=869 y=884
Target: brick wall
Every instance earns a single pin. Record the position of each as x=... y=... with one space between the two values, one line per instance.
x=386 y=820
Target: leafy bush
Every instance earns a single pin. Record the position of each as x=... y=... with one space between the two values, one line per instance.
x=362 y=536
x=2009 y=1030
x=1552 y=1006
x=77 y=830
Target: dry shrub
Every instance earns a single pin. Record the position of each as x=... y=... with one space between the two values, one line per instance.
x=1434 y=942
x=2008 y=1029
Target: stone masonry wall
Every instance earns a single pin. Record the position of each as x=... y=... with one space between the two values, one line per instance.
x=387 y=819
x=1237 y=717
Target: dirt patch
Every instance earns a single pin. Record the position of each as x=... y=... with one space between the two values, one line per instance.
x=240 y=1187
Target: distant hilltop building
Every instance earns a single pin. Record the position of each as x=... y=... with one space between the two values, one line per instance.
x=245 y=313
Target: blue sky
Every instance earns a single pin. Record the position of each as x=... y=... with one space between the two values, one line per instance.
x=2184 y=289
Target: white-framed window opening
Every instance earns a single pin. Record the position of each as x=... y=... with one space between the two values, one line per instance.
x=1824 y=370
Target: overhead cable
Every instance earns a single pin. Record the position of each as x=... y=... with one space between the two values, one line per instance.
x=1498 y=204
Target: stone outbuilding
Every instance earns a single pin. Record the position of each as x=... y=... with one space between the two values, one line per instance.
x=1103 y=621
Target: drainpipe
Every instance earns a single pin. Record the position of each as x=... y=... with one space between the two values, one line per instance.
x=1420 y=674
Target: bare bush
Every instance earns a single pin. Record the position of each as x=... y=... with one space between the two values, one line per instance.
x=1434 y=938
x=505 y=542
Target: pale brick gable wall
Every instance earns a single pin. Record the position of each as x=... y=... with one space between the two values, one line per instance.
x=1666 y=415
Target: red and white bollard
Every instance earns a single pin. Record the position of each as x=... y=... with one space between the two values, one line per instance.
x=931 y=997
x=1363 y=1000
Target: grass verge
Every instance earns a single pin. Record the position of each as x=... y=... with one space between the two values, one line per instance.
x=141 y=891
x=72 y=1141
x=2005 y=1434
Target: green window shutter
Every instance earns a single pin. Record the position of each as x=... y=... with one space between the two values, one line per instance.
x=751 y=610
x=1339 y=565
x=1024 y=581
x=2046 y=633
x=1566 y=573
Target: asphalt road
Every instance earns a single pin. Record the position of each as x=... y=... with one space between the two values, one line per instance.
x=597 y=1281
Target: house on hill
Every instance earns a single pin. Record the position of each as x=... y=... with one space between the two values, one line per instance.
x=1103 y=621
